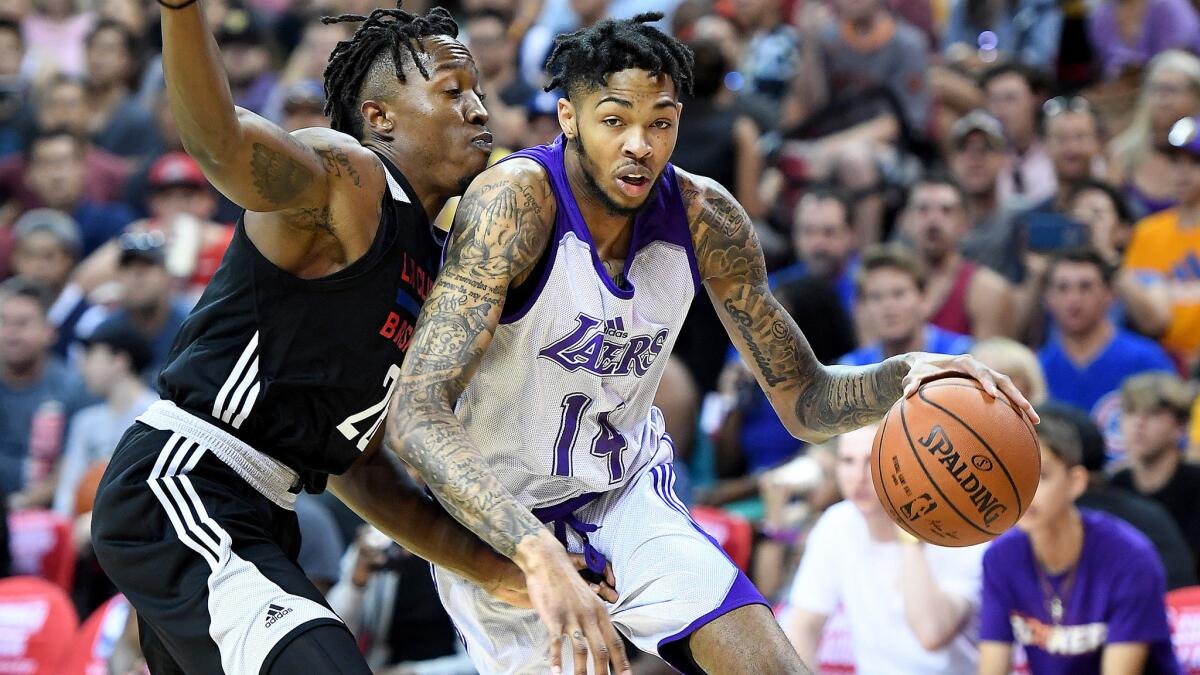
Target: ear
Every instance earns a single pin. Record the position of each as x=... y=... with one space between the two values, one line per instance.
x=378 y=119
x=566 y=119
x=1077 y=481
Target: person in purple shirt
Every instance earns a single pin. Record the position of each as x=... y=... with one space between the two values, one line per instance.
x=891 y=292
x=1162 y=25
x=1087 y=356
x=1081 y=591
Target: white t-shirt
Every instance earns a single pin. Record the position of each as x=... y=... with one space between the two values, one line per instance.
x=842 y=565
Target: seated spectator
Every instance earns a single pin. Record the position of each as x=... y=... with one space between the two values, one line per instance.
x=495 y=53
x=148 y=301
x=113 y=361
x=63 y=104
x=56 y=33
x=1018 y=362
x=961 y=297
x=1169 y=243
x=321 y=545
x=1127 y=39
x=909 y=604
x=1014 y=95
x=57 y=175
x=14 y=90
x=1148 y=516
x=891 y=289
x=863 y=77
x=858 y=172
x=1087 y=356
x=1080 y=591
x=47 y=247
x=1154 y=415
x=303 y=106
x=1072 y=136
x=306 y=63
x=118 y=122
x=541 y=113
x=977 y=156
x=247 y=59
x=1143 y=303
x=1170 y=91
x=825 y=244
x=38 y=393
x=772 y=51
x=1025 y=31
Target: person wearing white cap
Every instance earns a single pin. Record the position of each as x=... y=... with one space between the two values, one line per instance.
x=47 y=247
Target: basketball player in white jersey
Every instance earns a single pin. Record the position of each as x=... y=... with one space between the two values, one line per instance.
x=526 y=397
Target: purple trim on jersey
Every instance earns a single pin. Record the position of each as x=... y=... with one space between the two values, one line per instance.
x=548 y=514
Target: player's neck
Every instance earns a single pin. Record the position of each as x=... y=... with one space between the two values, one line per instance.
x=1058 y=544
x=1151 y=473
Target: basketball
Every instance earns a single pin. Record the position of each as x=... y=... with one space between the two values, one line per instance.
x=953 y=465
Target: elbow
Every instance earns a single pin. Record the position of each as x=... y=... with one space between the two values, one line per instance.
x=931 y=639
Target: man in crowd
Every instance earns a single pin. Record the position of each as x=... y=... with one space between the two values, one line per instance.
x=977 y=148
x=908 y=604
x=47 y=248
x=960 y=296
x=825 y=244
x=1013 y=96
x=891 y=298
x=1154 y=418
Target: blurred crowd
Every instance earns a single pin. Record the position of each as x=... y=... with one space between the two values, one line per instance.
x=1014 y=179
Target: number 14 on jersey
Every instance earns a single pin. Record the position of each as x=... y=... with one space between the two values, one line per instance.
x=607 y=444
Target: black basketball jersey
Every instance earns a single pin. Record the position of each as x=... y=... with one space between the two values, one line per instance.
x=302 y=369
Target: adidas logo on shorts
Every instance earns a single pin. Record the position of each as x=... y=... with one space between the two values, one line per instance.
x=275 y=613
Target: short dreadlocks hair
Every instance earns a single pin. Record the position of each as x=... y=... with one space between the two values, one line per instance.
x=582 y=61
x=382 y=40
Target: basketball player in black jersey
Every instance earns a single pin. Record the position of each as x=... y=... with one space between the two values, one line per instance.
x=280 y=378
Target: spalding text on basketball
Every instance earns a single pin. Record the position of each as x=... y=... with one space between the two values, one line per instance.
x=940 y=446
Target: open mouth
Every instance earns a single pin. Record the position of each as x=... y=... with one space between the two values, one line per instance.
x=634 y=181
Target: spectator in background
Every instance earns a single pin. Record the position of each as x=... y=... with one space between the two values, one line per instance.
x=305 y=67
x=148 y=301
x=1080 y=591
x=57 y=175
x=1142 y=300
x=961 y=297
x=1154 y=416
x=825 y=244
x=1014 y=96
x=858 y=172
x=321 y=545
x=47 y=248
x=1018 y=362
x=1072 y=136
x=909 y=605
x=496 y=55
x=303 y=106
x=1170 y=90
x=113 y=360
x=37 y=393
x=771 y=52
x=1020 y=31
x=541 y=114
x=977 y=148
x=247 y=59
x=14 y=90
x=62 y=103
x=1148 y=516
x=56 y=31
x=1087 y=357
x=116 y=121
x=1168 y=243
x=891 y=289
x=1127 y=34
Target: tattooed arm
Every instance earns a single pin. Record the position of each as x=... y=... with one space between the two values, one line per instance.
x=288 y=182
x=812 y=400
x=501 y=227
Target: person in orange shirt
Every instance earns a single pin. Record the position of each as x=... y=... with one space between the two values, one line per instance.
x=1168 y=243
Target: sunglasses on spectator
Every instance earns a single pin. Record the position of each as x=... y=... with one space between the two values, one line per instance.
x=1061 y=104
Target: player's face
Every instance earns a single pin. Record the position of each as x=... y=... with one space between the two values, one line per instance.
x=1058 y=487
x=623 y=135
x=25 y=334
x=1077 y=297
x=1149 y=433
x=892 y=303
x=442 y=120
x=934 y=219
x=40 y=257
x=854 y=470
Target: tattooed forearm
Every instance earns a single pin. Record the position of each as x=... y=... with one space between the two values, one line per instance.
x=812 y=400
x=501 y=228
x=278 y=178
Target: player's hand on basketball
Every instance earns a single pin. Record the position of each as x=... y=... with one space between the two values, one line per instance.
x=571 y=612
x=924 y=367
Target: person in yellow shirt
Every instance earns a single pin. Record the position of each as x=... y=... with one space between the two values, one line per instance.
x=1168 y=243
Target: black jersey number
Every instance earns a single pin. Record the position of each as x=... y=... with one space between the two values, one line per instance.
x=350 y=426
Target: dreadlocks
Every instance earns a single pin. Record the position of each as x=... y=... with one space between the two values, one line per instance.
x=582 y=60
x=353 y=61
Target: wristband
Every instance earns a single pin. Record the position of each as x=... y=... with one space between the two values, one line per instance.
x=782 y=535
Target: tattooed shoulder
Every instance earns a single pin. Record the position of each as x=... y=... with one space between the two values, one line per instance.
x=722 y=233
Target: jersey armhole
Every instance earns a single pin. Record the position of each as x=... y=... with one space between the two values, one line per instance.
x=521 y=298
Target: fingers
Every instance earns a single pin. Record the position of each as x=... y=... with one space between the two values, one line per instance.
x=609 y=577
x=555 y=654
x=606 y=592
x=579 y=649
x=1010 y=390
x=616 y=652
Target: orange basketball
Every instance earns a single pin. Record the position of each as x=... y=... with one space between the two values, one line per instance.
x=85 y=494
x=954 y=466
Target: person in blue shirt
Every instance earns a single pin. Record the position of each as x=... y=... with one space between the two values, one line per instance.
x=825 y=244
x=891 y=294
x=1087 y=355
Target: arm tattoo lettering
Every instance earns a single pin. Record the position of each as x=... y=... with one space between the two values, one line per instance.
x=501 y=228
x=336 y=161
x=820 y=400
x=277 y=177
